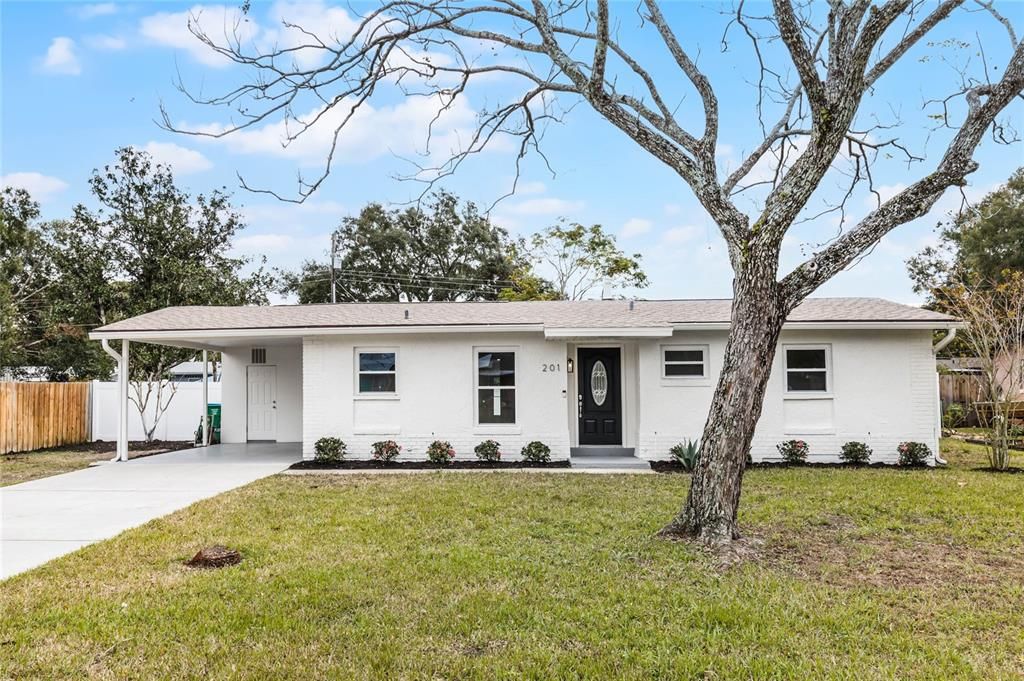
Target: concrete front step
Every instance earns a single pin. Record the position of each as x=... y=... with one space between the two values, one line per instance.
x=616 y=462
x=593 y=451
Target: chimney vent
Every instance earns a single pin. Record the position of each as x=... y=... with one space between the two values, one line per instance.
x=406 y=314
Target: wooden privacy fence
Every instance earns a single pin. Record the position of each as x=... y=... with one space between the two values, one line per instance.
x=962 y=388
x=37 y=415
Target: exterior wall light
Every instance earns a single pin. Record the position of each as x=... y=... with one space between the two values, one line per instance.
x=569 y=364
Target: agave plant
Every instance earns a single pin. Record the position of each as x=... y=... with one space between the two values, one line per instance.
x=686 y=453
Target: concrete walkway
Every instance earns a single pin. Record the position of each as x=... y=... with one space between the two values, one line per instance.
x=46 y=518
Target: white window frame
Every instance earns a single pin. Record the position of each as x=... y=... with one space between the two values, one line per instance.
x=495 y=427
x=357 y=373
x=827 y=347
x=705 y=350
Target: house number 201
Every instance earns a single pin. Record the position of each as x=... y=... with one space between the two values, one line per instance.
x=552 y=368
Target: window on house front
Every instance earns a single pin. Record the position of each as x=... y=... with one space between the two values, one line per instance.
x=684 y=361
x=496 y=386
x=378 y=371
x=807 y=368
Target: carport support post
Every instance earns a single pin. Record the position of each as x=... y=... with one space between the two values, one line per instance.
x=206 y=402
x=122 y=431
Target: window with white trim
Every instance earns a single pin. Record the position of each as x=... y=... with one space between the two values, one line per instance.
x=808 y=368
x=684 y=361
x=495 y=385
x=377 y=371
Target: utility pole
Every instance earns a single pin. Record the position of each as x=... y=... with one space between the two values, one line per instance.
x=334 y=250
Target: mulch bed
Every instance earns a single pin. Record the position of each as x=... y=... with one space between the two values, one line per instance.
x=988 y=469
x=104 y=447
x=676 y=467
x=420 y=465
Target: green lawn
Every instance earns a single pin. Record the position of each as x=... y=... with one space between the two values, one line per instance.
x=847 y=574
x=42 y=463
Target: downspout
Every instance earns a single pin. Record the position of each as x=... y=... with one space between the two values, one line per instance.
x=121 y=377
x=936 y=349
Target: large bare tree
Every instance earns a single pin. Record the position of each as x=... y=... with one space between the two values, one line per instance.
x=812 y=63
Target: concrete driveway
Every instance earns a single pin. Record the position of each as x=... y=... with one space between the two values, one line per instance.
x=43 y=519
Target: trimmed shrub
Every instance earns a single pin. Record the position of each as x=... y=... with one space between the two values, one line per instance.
x=793 y=451
x=914 y=453
x=536 y=452
x=386 y=450
x=329 y=449
x=953 y=417
x=855 y=452
x=686 y=453
x=440 y=451
x=488 y=450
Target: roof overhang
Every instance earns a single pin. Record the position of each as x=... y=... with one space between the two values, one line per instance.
x=833 y=326
x=608 y=332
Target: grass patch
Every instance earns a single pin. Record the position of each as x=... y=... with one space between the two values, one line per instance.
x=867 y=573
x=42 y=463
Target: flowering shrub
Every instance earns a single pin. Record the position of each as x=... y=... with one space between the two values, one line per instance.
x=440 y=451
x=914 y=453
x=686 y=454
x=536 y=452
x=793 y=451
x=855 y=452
x=329 y=449
x=488 y=450
x=386 y=450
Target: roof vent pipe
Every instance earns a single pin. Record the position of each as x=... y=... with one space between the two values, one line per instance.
x=631 y=305
x=407 y=314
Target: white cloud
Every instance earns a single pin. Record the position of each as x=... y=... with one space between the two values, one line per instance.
x=635 y=227
x=262 y=244
x=885 y=192
x=181 y=159
x=681 y=235
x=219 y=22
x=546 y=206
x=61 y=57
x=278 y=215
x=331 y=25
x=96 y=10
x=370 y=133
x=672 y=209
x=529 y=188
x=40 y=186
x=106 y=42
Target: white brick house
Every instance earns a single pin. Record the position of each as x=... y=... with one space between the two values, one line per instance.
x=636 y=375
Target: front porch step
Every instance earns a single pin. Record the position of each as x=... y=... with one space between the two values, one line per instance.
x=610 y=462
x=602 y=452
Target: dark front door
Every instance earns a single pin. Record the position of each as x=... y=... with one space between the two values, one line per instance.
x=600 y=407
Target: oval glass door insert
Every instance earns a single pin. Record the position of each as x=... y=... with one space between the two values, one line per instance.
x=599 y=383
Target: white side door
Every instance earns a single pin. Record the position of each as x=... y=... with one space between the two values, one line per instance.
x=262 y=403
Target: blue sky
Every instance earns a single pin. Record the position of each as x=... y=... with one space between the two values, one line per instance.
x=80 y=80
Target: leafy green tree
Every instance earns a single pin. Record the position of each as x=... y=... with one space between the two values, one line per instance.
x=149 y=245
x=442 y=251
x=980 y=244
x=23 y=282
x=580 y=260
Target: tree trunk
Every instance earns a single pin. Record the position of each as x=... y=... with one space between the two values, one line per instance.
x=711 y=507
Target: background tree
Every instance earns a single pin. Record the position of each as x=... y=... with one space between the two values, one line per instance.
x=580 y=260
x=979 y=244
x=815 y=64
x=994 y=314
x=440 y=251
x=149 y=245
x=23 y=280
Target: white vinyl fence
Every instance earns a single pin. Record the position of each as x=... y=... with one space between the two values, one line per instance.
x=179 y=421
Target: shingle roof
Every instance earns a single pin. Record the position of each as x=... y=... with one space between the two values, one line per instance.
x=555 y=314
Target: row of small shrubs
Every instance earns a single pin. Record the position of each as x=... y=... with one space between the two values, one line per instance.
x=333 y=450
x=796 y=451
x=853 y=452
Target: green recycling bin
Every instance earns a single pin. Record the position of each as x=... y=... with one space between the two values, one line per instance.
x=213 y=410
x=213 y=417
